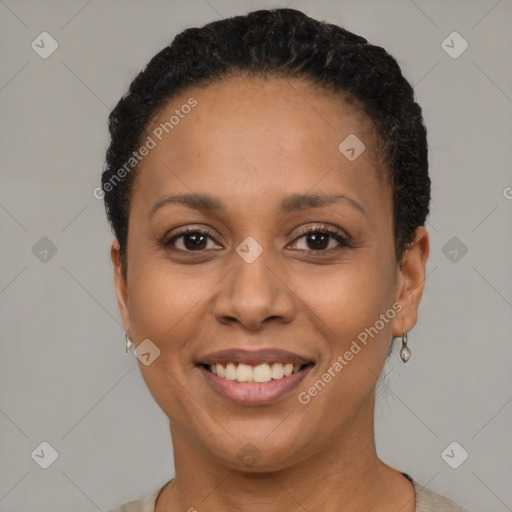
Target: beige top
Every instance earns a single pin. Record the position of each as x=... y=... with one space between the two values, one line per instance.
x=426 y=501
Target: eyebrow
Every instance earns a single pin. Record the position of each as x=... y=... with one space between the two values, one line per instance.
x=292 y=203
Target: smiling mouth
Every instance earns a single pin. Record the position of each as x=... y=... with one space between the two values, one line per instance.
x=254 y=374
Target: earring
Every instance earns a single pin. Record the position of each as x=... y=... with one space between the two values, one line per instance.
x=405 y=352
x=129 y=342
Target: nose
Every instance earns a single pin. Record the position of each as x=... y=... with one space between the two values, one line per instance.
x=254 y=294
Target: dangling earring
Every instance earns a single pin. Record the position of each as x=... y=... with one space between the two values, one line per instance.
x=129 y=342
x=405 y=352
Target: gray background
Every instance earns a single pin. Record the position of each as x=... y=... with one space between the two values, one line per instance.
x=65 y=378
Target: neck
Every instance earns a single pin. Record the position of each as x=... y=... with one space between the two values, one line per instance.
x=346 y=472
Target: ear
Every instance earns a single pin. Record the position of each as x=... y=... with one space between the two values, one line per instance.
x=411 y=282
x=120 y=284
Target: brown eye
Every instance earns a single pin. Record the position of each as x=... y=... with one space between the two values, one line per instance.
x=194 y=241
x=191 y=240
x=317 y=241
x=320 y=240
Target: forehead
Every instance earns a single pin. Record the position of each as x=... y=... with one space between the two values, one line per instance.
x=258 y=136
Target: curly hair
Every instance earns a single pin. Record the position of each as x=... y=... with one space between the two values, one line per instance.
x=277 y=43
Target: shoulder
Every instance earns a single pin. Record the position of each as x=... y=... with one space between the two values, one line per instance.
x=426 y=501
x=146 y=504
x=429 y=501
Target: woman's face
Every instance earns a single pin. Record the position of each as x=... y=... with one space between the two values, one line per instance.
x=249 y=280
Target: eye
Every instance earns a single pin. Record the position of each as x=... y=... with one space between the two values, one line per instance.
x=190 y=239
x=313 y=239
x=319 y=239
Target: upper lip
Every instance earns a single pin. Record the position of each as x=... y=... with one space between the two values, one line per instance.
x=254 y=357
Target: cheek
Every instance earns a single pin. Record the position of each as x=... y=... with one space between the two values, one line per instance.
x=350 y=296
x=342 y=299
x=161 y=297
x=347 y=305
x=168 y=304
x=165 y=306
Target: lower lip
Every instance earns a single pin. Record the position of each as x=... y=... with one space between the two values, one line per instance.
x=254 y=394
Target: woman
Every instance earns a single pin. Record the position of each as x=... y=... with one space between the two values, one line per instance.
x=267 y=184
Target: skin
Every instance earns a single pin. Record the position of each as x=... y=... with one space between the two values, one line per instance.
x=251 y=143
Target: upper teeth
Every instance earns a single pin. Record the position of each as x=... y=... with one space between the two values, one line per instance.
x=248 y=373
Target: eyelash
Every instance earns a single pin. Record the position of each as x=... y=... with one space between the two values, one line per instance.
x=323 y=229
x=319 y=228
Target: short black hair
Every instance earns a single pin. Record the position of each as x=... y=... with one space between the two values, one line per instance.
x=289 y=44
